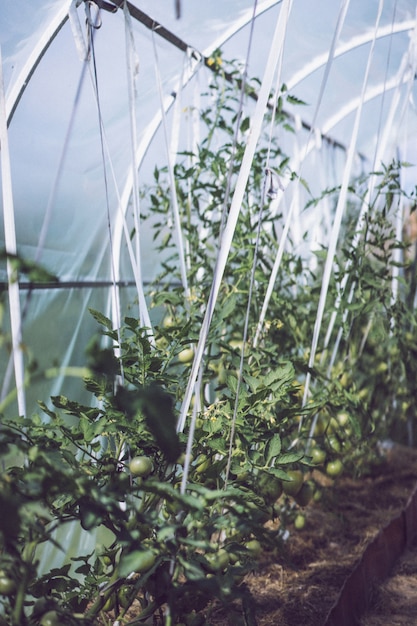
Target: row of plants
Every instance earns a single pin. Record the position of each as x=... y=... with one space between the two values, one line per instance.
x=182 y=529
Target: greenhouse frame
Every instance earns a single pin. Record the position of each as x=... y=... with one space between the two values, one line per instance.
x=208 y=288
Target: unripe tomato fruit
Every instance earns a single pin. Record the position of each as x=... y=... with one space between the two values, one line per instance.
x=299 y=522
x=124 y=596
x=144 y=561
x=342 y=419
x=254 y=547
x=7 y=584
x=333 y=425
x=318 y=494
x=318 y=456
x=305 y=494
x=202 y=464
x=217 y=561
x=334 y=443
x=292 y=487
x=270 y=487
x=334 y=468
x=51 y=618
x=182 y=458
x=168 y=321
x=141 y=466
x=186 y=355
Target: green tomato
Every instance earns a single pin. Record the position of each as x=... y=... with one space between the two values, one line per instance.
x=334 y=468
x=254 y=547
x=333 y=425
x=318 y=456
x=342 y=419
x=345 y=380
x=305 y=494
x=217 y=561
x=162 y=343
x=168 y=321
x=7 y=584
x=124 y=596
x=51 y=618
x=234 y=557
x=270 y=487
x=299 y=522
x=145 y=559
x=334 y=443
x=317 y=496
x=292 y=486
x=202 y=464
x=186 y=355
x=322 y=425
x=141 y=466
x=181 y=459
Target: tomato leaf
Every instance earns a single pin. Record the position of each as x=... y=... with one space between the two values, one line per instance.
x=273 y=447
x=156 y=405
x=289 y=457
x=101 y=319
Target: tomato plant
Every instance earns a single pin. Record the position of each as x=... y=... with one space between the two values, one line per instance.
x=183 y=527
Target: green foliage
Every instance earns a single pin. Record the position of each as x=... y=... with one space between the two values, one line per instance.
x=184 y=529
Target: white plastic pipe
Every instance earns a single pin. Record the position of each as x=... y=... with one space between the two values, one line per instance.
x=11 y=248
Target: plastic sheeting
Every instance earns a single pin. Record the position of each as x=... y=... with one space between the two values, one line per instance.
x=70 y=131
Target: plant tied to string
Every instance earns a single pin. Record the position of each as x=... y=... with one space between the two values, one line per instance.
x=183 y=514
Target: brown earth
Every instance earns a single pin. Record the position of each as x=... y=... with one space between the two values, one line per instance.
x=395 y=602
x=298 y=585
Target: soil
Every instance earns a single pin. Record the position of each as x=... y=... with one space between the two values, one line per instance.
x=395 y=600
x=298 y=586
x=298 y=582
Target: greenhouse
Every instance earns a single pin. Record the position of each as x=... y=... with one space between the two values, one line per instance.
x=208 y=268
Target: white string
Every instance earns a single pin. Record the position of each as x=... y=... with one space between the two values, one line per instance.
x=197 y=387
x=407 y=67
x=132 y=62
x=228 y=232
x=174 y=198
x=334 y=235
x=288 y=221
x=143 y=309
